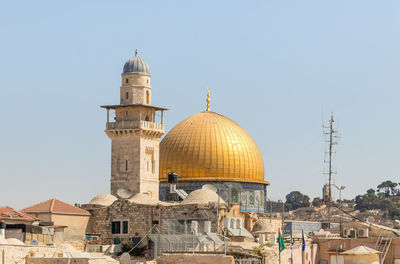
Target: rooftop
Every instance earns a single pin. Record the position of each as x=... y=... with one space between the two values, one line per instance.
x=134 y=105
x=10 y=213
x=55 y=206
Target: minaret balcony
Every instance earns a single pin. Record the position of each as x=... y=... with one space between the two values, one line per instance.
x=135 y=125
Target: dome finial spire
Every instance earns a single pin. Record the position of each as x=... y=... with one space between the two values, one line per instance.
x=136 y=52
x=208 y=99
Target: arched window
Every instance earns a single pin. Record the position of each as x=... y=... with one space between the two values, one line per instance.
x=127 y=80
x=147 y=118
x=147 y=97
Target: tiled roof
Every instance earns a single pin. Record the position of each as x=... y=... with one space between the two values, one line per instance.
x=55 y=206
x=9 y=213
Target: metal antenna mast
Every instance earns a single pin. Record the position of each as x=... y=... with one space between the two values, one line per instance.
x=331 y=133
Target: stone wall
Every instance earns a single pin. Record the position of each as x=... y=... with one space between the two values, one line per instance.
x=188 y=213
x=141 y=219
x=66 y=261
x=76 y=225
x=12 y=253
x=271 y=255
x=194 y=259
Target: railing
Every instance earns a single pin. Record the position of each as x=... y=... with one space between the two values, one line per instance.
x=138 y=124
x=151 y=125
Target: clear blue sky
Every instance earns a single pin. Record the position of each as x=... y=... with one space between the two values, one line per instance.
x=272 y=67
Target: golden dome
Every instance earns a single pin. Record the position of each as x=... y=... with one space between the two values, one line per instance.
x=210 y=147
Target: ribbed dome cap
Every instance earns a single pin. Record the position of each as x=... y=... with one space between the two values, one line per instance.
x=136 y=65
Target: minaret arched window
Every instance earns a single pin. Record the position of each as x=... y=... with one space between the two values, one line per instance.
x=147 y=97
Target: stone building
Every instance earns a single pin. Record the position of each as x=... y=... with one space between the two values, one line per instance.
x=135 y=134
x=128 y=220
x=219 y=166
x=73 y=220
x=206 y=148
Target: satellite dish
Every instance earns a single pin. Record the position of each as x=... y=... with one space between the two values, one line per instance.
x=210 y=187
x=123 y=193
x=370 y=219
x=224 y=195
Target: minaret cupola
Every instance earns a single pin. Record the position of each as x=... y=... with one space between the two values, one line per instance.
x=135 y=86
x=136 y=65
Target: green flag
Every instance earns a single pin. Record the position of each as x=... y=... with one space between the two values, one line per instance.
x=281 y=243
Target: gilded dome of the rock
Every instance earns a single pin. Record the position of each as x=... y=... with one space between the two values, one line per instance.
x=210 y=147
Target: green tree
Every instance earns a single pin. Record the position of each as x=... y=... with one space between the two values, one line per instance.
x=367 y=201
x=317 y=202
x=388 y=187
x=387 y=199
x=296 y=200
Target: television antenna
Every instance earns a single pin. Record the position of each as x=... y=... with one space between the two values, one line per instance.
x=331 y=140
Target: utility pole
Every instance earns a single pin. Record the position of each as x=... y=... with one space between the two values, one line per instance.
x=331 y=133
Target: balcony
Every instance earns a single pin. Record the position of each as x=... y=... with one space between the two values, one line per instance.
x=138 y=124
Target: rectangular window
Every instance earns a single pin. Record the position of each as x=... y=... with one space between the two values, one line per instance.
x=125 y=227
x=126 y=165
x=116 y=227
x=126 y=95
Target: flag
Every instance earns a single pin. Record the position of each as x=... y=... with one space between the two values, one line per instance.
x=303 y=246
x=281 y=243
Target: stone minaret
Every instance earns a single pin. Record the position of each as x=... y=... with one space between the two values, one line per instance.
x=134 y=133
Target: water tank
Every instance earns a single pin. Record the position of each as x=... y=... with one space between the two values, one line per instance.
x=207 y=227
x=239 y=223
x=194 y=227
x=261 y=239
x=227 y=223
x=172 y=177
x=233 y=223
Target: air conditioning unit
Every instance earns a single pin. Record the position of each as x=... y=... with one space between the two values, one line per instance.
x=363 y=232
